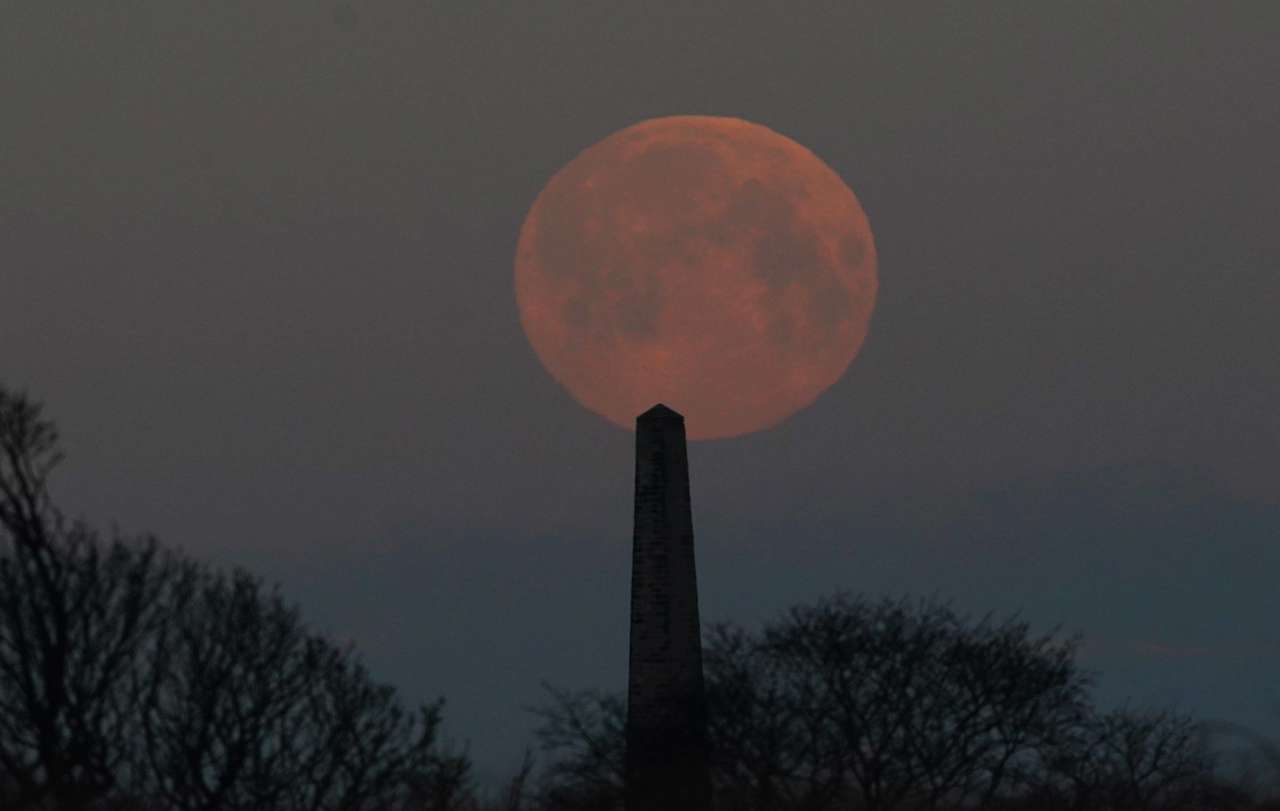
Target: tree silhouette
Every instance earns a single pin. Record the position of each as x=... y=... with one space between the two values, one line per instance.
x=920 y=706
x=73 y=614
x=849 y=703
x=1125 y=759
x=586 y=732
x=243 y=708
x=853 y=703
x=132 y=678
x=768 y=750
x=1250 y=758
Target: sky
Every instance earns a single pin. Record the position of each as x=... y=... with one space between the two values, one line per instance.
x=257 y=259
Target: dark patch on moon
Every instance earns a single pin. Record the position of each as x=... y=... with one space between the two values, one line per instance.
x=638 y=320
x=577 y=312
x=756 y=205
x=853 y=250
x=633 y=320
x=782 y=257
x=781 y=329
x=784 y=249
x=645 y=180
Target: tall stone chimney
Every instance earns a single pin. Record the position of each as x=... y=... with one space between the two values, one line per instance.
x=667 y=768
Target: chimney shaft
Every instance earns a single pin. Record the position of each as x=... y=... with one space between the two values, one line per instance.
x=667 y=763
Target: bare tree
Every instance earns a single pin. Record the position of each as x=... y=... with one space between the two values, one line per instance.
x=853 y=703
x=925 y=708
x=1155 y=760
x=131 y=678
x=770 y=749
x=585 y=734
x=1246 y=760
x=73 y=613
x=244 y=708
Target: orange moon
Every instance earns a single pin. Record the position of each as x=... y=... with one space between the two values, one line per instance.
x=707 y=263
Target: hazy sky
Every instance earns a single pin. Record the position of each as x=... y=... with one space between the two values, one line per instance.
x=257 y=260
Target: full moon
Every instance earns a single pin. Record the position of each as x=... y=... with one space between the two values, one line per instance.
x=706 y=263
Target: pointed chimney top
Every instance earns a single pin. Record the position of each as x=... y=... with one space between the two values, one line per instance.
x=660 y=412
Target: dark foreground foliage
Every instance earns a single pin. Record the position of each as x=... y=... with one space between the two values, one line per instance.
x=133 y=678
x=895 y=705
